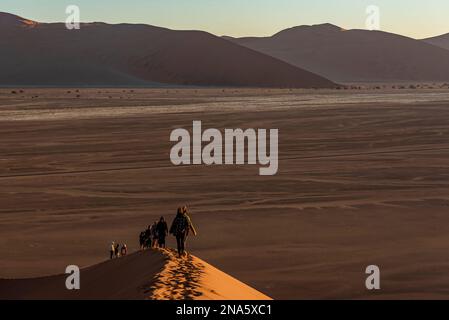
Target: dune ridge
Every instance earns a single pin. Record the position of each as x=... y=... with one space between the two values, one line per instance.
x=149 y=274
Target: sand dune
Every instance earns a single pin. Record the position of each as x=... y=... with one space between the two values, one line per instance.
x=101 y=54
x=439 y=41
x=354 y=55
x=142 y=275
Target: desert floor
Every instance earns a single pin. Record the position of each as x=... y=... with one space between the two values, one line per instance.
x=363 y=179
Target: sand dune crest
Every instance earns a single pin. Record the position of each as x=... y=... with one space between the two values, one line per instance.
x=190 y=278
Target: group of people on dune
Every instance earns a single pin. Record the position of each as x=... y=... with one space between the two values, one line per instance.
x=154 y=236
x=116 y=251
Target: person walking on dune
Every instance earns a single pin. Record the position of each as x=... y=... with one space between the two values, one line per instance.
x=148 y=238
x=162 y=231
x=142 y=240
x=116 y=250
x=124 y=250
x=154 y=235
x=112 y=250
x=180 y=228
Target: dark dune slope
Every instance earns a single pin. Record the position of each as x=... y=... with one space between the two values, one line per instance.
x=439 y=41
x=102 y=54
x=129 y=277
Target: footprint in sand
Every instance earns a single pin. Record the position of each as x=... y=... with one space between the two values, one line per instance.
x=179 y=280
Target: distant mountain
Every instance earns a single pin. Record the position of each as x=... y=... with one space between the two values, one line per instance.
x=354 y=55
x=439 y=41
x=35 y=53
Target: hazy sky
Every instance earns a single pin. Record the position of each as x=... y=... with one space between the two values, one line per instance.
x=415 y=18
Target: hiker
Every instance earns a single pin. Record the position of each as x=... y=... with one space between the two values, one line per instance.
x=124 y=250
x=112 y=250
x=180 y=228
x=162 y=231
x=154 y=235
x=148 y=238
x=142 y=240
x=116 y=250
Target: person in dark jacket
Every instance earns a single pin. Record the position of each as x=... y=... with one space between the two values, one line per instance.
x=148 y=237
x=162 y=231
x=142 y=240
x=154 y=236
x=117 y=250
x=180 y=228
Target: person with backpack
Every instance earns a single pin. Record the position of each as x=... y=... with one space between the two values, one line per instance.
x=162 y=231
x=180 y=228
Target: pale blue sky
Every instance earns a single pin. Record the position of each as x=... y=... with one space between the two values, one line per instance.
x=415 y=18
